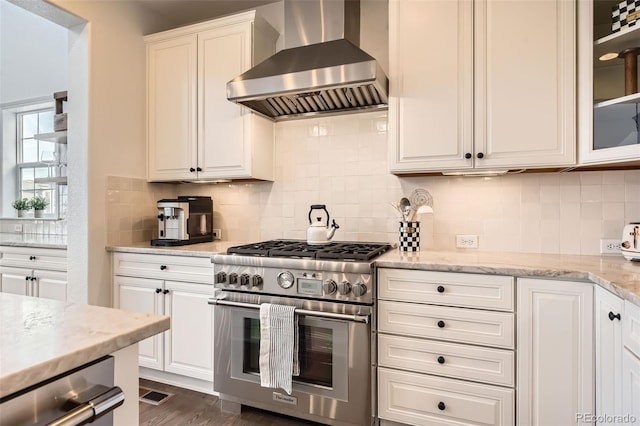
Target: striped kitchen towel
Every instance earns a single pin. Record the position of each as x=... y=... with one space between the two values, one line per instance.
x=278 y=346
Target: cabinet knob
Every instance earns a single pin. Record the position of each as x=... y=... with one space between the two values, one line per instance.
x=440 y=289
x=191 y=169
x=440 y=359
x=468 y=155
x=165 y=292
x=163 y=267
x=158 y=290
x=613 y=316
x=32 y=258
x=27 y=278
x=199 y=169
x=441 y=324
x=441 y=406
x=480 y=155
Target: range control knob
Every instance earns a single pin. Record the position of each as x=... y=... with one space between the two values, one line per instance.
x=221 y=277
x=359 y=289
x=285 y=279
x=329 y=287
x=344 y=287
x=244 y=279
x=256 y=281
x=233 y=278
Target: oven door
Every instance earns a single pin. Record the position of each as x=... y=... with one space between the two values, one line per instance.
x=334 y=385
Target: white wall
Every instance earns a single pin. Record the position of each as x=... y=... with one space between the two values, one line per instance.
x=107 y=86
x=33 y=55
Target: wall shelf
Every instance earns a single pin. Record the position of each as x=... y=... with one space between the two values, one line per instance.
x=57 y=137
x=617 y=42
x=629 y=99
x=61 y=180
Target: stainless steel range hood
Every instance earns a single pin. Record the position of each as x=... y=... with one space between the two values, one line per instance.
x=321 y=70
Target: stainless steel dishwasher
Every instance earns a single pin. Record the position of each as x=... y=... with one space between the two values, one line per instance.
x=82 y=395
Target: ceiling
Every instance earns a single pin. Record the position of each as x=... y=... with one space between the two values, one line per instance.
x=182 y=12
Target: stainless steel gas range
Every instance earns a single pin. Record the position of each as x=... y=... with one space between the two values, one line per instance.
x=332 y=287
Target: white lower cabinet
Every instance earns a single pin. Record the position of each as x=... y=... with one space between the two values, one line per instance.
x=186 y=349
x=445 y=365
x=34 y=272
x=631 y=364
x=609 y=310
x=555 y=352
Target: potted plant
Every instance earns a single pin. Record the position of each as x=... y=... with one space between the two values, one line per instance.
x=39 y=204
x=22 y=206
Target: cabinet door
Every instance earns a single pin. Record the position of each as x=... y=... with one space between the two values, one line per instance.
x=631 y=387
x=525 y=78
x=224 y=143
x=171 y=109
x=142 y=295
x=608 y=312
x=188 y=345
x=14 y=281
x=555 y=351
x=430 y=83
x=51 y=284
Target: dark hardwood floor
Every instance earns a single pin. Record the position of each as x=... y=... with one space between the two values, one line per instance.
x=191 y=408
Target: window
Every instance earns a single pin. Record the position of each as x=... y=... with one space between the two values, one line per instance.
x=41 y=164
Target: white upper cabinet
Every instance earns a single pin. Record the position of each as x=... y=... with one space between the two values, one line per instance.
x=194 y=132
x=476 y=85
x=608 y=114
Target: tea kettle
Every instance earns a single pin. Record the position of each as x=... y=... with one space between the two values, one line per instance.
x=318 y=233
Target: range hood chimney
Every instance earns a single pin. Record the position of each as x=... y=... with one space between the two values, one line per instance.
x=321 y=70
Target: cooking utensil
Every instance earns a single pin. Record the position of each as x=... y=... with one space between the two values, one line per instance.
x=421 y=197
x=406 y=209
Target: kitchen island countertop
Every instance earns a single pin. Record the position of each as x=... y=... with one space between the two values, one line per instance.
x=41 y=338
x=613 y=273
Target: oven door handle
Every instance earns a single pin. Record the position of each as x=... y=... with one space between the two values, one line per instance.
x=319 y=314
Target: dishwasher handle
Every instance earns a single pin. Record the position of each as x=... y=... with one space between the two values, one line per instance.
x=91 y=410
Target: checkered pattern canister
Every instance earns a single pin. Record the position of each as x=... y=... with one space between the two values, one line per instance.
x=625 y=14
x=409 y=236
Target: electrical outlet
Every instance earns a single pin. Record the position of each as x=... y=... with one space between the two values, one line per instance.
x=467 y=241
x=217 y=234
x=610 y=246
x=17 y=228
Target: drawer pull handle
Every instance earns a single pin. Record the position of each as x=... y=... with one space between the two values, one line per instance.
x=440 y=359
x=441 y=406
x=158 y=290
x=32 y=258
x=440 y=289
x=163 y=267
x=441 y=324
x=613 y=316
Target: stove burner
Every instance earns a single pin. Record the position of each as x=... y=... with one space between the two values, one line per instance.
x=354 y=251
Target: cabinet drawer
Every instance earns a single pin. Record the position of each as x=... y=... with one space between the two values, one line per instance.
x=447 y=288
x=496 y=366
x=34 y=258
x=631 y=327
x=446 y=323
x=177 y=268
x=424 y=400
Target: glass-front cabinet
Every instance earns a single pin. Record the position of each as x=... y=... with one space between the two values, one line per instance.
x=608 y=96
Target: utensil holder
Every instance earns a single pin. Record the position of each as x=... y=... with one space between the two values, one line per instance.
x=409 y=236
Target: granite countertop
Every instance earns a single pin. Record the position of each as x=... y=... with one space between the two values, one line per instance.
x=34 y=240
x=40 y=338
x=614 y=273
x=195 y=250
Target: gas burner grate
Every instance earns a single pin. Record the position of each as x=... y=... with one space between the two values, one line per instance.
x=343 y=251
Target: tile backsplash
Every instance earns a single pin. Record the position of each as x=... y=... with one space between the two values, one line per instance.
x=342 y=162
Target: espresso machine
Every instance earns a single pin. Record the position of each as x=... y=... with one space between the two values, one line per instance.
x=184 y=220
